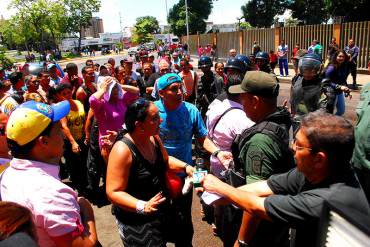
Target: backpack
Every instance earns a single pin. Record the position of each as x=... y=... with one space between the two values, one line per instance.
x=236 y=174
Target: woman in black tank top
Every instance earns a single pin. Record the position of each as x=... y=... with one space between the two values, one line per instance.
x=136 y=183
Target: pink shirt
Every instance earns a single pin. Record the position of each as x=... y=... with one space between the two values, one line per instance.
x=230 y=125
x=110 y=116
x=54 y=205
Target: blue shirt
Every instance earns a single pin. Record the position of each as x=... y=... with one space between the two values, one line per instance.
x=178 y=127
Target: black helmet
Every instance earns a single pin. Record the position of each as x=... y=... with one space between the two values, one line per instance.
x=309 y=62
x=263 y=55
x=234 y=63
x=245 y=60
x=204 y=61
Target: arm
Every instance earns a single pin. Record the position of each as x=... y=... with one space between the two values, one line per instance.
x=67 y=133
x=131 y=89
x=81 y=95
x=103 y=87
x=88 y=123
x=224 y=156
x=88 y=237
x=118 y=172
x=247 y=201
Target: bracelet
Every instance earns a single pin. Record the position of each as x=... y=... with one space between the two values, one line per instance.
x=140 y=207
x=242 y=243
x=215 y=153
x=186 y=165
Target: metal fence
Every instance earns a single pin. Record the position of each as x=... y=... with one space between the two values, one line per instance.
x=303 y=35
x=265 y=38
x=360 y=33
x=269 y=38
x=227 y=41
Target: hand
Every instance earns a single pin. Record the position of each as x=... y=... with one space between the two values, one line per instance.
x=152 y=204
x=189 y=170
x=74 y=80
x=211 y=184
x=86 y=211
x=87 y=141
x=75 y=148
x=225 y=158
x=108 y=139
x=106 y=82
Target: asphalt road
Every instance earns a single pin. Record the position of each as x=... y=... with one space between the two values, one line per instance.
x=105 y=223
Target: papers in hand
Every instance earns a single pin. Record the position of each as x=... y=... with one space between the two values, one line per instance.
x=210 y=198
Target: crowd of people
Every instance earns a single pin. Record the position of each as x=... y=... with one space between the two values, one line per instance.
x=128 y=133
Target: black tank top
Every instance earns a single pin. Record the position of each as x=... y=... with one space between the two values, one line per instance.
x=144 y=182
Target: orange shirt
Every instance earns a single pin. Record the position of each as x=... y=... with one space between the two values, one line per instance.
x=189 y=81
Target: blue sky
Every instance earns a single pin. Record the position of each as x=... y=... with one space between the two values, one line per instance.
x=224 y=11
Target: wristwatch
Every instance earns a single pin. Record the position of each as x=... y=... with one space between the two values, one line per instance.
x=215 y=153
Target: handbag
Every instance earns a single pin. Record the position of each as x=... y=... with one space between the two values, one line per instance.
x=173 y=182
x=234 y=177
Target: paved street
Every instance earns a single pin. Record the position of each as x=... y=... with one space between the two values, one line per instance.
x=106 y=227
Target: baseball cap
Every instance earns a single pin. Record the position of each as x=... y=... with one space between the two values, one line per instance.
x=257 y=83
x=31 y=118
x=167 y=79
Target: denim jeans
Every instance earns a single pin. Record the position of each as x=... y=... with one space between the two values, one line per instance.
x=341 y=104
x=283 y=63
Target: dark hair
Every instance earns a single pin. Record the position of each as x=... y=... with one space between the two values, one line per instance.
x=15 y=77
x=217 y=63
x=70 y=66
x=15 y=218
x=83 y=70
x=137 y=111
x=186 y=61
x=331 y=134
x=116 y=69
x=41 y=73
x=334 y=61
x=89 y=61
x=61 y=86
x=18 y=151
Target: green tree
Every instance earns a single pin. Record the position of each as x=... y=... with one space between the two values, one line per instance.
x=352 y=10
x=144 y=28
x=198 y=12
x=309 y=12
x=261 y=13
x=79 y=13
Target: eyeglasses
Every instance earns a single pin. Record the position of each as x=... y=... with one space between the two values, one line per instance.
x=295 y=147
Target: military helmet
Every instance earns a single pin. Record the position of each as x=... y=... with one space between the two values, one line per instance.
x=204 y=61
x=234 y=63
x=263 y=55
x=310 y=62
x=245 y=60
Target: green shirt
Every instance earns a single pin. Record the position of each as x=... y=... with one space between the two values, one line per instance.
x=261 y=156
x=361 y=153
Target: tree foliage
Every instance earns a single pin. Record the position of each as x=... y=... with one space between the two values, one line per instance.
x=198 y=12
x=352 y=10
x=37 y=24
x=144 y=28
x=309 y=12
x=261 y=13
x=79 y=14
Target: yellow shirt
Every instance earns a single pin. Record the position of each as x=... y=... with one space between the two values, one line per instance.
x=76 y=120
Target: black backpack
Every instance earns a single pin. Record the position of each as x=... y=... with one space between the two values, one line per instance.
x=236 y=174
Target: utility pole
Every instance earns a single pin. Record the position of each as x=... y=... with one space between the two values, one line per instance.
x=187 y=24
x=169 y=38
x=120 y=22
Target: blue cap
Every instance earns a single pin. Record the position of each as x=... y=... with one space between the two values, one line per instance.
x=167 y=79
